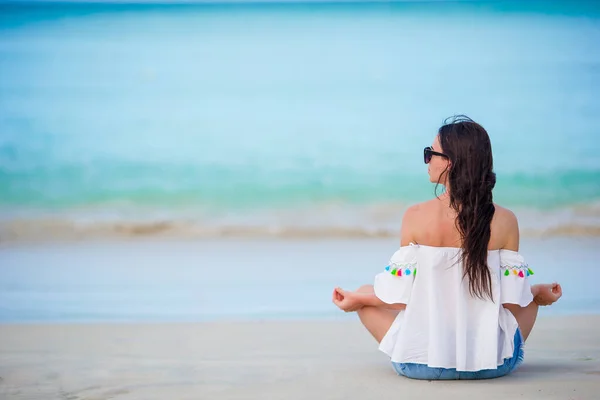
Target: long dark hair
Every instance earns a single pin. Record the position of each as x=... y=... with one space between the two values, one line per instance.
x=471 y=178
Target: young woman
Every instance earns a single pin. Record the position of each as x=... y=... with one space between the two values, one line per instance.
x=455 y=301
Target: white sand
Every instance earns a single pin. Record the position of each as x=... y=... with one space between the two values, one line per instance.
x=270 y=360
x=314 y=359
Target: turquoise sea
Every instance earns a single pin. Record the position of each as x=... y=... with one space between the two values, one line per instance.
x=301 y=120
x=288 y=118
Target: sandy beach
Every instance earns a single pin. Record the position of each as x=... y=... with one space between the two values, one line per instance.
x=269 y=360
x=250 y=319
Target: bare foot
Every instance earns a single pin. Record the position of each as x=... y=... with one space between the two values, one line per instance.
x=546 y=293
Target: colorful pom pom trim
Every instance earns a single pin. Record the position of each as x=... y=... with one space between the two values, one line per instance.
x=402 y=269
x=517 y=270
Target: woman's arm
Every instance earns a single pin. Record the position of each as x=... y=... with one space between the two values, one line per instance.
x=543 y=294
x=352 y=301
x=369 y=299
x=349 y=301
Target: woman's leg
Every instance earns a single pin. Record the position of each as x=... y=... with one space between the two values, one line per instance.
x=377 y=320
x=525 y=317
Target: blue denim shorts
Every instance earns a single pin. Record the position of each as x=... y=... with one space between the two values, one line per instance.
x=422 y=371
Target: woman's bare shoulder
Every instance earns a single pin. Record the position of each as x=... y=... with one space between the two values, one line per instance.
x=415 y=217
x=504 y=216
x=417 y=211
x=505 y=229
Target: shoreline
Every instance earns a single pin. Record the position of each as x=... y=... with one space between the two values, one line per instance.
x=32 y=232
x=204 y=280
x=275 y=237
x=336 y=316
x=308 y=222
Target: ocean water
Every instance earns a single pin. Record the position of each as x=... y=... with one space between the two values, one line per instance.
x=288 y=119
x=236 y=279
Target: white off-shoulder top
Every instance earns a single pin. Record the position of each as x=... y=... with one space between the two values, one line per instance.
x=443 y=325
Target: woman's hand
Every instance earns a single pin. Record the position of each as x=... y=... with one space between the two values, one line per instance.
x=346 y=300
x=546 y=294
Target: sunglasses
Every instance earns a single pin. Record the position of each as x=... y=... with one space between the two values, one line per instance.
x=428 y=153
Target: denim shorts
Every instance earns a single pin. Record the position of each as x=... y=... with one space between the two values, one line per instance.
x=422 y=371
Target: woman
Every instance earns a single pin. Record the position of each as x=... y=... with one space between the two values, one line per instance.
x=468 y=311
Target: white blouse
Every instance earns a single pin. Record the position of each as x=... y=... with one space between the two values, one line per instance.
x=443 y=325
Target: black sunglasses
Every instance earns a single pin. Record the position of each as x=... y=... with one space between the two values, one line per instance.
x=428 y=153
